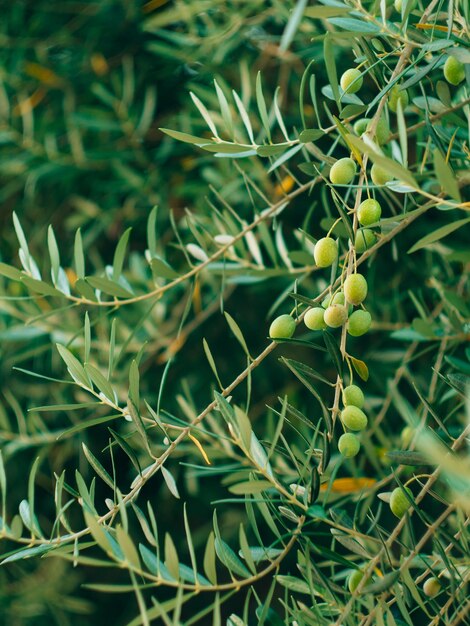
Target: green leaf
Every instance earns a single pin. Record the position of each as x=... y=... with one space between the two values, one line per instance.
x=170 y=481
x=260 y=101
x=250 y=487
x=237 y=332
x=160 y=268
x=39 y=286
x=120 y=253
x=438 y=234
x=108 y=286
x=294 y=584
x=361 y=368
x=54 y=254
x=310 y=134
x=96 y=465
x=355 y=26
x=329 y=56
x=175 y=134
x=100 y=382
x=445 y=176
x=75 y=368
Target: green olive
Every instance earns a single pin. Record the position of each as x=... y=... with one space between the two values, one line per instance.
x=454 y=71
x=353 y=396
x=349 y=445
x=314 y=318
x=336 y=315
x=355 y=289
x=379 y=175
x=359 y=323
x=351 y=81
x=354 y=418
x=283 y=327
x=325 y=252
x=396 y=94
x=369 y=212
x=399 y=503
x=343 y=171
x=364 y=239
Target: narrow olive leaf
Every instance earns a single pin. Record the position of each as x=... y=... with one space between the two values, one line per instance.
x=127 y=449
x=134 y=383
x=54 y=254
x=108 y=286
x=85 y=290
x=127 y=546
x=292 y=25
x=171 y=557
x=307 y=370
x=244 y=115
x=438 y=234
x=3 y=489
x=237 y=332
x=96 y=465
x=329 y=56
x=245 y=549
x=408 y=457
x=39 y=286
x=224 y=110
x=231 y=561
x=78 y=255
x=294 y=584
x=209 y=563
x=170 y=482
x=260 y=101
x=360 y=367
x=250 y=487
x=175 y=134
x=10 y=272
x=100 y=382
x=162 y=269
x=27 y=553
x=320 y=12
x=445 y=176
x=402 y=132
x=310 y=134
x=334 y=351
x=152 y=231
x=119 y=254
x=205 y=113
x=355 y=26
x=210 y=358
x=74 y=367
x=31 y=496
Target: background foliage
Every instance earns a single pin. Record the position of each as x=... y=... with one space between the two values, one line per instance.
x=157 y=448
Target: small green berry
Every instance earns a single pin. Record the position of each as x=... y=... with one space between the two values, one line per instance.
x=351 y=81
x=359 y=323
x=369 y=212
x=354 y=579
x=325 y=252
x=379 y=175
x=348 y=445
x=431 y=587
x=397 y=94
x=338 y=298
x=360 y=126
x=364 y=239
x=399 y=503
x=398 y=4
x=343 y=171
x=327 y=301
x=454 y=71
x=355 y=289
x=382 y=131
x=336 y=315
x=283 y=327
x=353 y=396
x=353 y=418
x=407 y=435
x=314 y=318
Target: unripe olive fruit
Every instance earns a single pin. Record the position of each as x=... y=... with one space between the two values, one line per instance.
x=382 y=130
x=336 y=315
x=355 y=289
x=395 y=95
x=342 y=172
x=338 y=298
x=348 y=445
x=354 y=579
x=325 y=252
x=399 y=503
x=360 y=126
x=359 y=323
x=369 y=212
x=364 y=239
x=283 y=327
x=431 y=587
x=454 y=71
x=379 y=175
x=353 y=418
x=351 y=81
x=314 y=318
x=407 y=435
x=398 y=4
x=353 y=396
